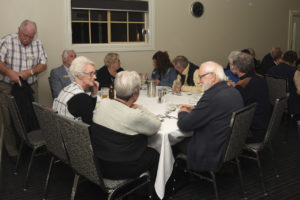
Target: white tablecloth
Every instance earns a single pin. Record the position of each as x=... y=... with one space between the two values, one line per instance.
x=168 y=135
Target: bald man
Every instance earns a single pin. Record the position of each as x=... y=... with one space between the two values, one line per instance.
x=209 y=119
x=21 y=55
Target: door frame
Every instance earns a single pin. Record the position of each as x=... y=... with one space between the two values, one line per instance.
x=292 y=14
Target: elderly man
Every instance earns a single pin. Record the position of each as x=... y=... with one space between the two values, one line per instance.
x=253 y=88
x=269 y=60
x=72 y=101
x=209 y=119
x=60 y=77
x=21 y=55
x=120 y=140
x=188 y=75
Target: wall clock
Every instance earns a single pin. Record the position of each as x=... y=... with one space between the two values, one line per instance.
x=197 y=9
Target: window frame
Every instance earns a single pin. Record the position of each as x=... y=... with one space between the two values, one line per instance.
x=109 y=47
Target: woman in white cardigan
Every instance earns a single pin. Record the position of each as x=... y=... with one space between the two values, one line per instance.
x=121 y=131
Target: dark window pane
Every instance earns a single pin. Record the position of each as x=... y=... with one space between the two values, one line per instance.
x=80 y=33
x=118 y=33
x=98 y=15
x=118 y=16
x=99 y=32
x=80 y=15
x=136 y=17
x=135 y=32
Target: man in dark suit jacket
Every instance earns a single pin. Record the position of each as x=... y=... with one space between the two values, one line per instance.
x=60 y=77
x=269 y=60
x=254 y=89
x=209 y=119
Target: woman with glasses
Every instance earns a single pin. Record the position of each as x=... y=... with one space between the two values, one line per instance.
x=72 y=101
x=106 y=74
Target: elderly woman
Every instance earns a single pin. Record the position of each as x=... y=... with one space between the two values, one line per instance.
x=121 y=130
x=164 y=72
x=231 y=72
x=72 y=101
x=106 y=74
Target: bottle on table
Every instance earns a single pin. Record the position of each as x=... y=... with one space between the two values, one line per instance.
x=111 y=92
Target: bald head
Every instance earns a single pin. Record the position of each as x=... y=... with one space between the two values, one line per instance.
x=27 y=31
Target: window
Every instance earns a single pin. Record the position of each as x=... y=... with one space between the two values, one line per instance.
x=111 y=25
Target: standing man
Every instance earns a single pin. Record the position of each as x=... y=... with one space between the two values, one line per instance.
x=60 y=77
x=209 y=119
x=21 y=55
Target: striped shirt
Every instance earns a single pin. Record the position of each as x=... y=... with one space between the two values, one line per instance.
x=18 y=57
x=60 y=103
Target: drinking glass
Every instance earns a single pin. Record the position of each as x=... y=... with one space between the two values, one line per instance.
x=104 y=92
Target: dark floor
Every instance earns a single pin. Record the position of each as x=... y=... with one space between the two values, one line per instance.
x=287 y=186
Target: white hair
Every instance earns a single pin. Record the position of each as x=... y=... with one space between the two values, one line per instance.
x=25 y=23
x=79 y=64
x=211 y=66
x=127 y=83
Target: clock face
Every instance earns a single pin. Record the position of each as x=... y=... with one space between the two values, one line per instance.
x=197 y=9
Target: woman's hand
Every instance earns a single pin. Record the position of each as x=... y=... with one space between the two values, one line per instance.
x=95 y=88
x=186 y=108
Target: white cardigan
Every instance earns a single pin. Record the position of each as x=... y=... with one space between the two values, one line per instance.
x=121 y=118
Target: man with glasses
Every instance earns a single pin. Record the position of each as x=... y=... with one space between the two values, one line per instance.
x=21 y=56
x=209 y=119
x=60 y=77
x=72 y=101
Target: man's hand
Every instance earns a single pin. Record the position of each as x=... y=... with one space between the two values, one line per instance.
x=25 y=74
x=186 y=108
x=14 y=76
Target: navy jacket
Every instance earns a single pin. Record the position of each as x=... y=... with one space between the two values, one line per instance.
x=287 y=72
x=104 y=78
x=210 y=122
x=257 y=91
x=267 y=63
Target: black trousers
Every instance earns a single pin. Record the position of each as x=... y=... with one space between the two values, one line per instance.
x=123 y=170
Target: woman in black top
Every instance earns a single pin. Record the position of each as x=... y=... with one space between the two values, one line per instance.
x=106 y=74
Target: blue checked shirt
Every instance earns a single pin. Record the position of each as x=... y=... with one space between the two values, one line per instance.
x=19 y=57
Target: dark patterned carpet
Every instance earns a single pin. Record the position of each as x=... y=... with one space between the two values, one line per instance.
x=287 y=186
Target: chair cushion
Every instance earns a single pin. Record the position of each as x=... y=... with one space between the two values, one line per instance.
x=36 y=138
x=255 y=147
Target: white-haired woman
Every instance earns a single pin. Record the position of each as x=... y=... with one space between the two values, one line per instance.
x=120 y=131
x=106 y=74
x=72 y=101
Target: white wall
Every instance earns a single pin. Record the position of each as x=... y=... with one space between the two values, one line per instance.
x=226 y=25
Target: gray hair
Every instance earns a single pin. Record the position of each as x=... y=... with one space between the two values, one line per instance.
x=25 y=23
x=79 y=64
x=211 y=66
x=111 y=58
x=232 y=55
x=65 y=53
x=243 y=62
x=181 y=62
x=127 y=83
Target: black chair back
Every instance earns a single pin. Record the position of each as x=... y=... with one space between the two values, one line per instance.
x=240 y=123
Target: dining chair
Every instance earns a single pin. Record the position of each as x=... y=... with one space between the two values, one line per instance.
x=256 y=148
x=238 y=130
x=51 y=131
x=32 y=139
x=76 y=138
x=278 y=88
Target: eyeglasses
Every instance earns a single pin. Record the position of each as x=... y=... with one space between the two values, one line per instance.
x=27 y=36
x=201 y=76
x=91 y=74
